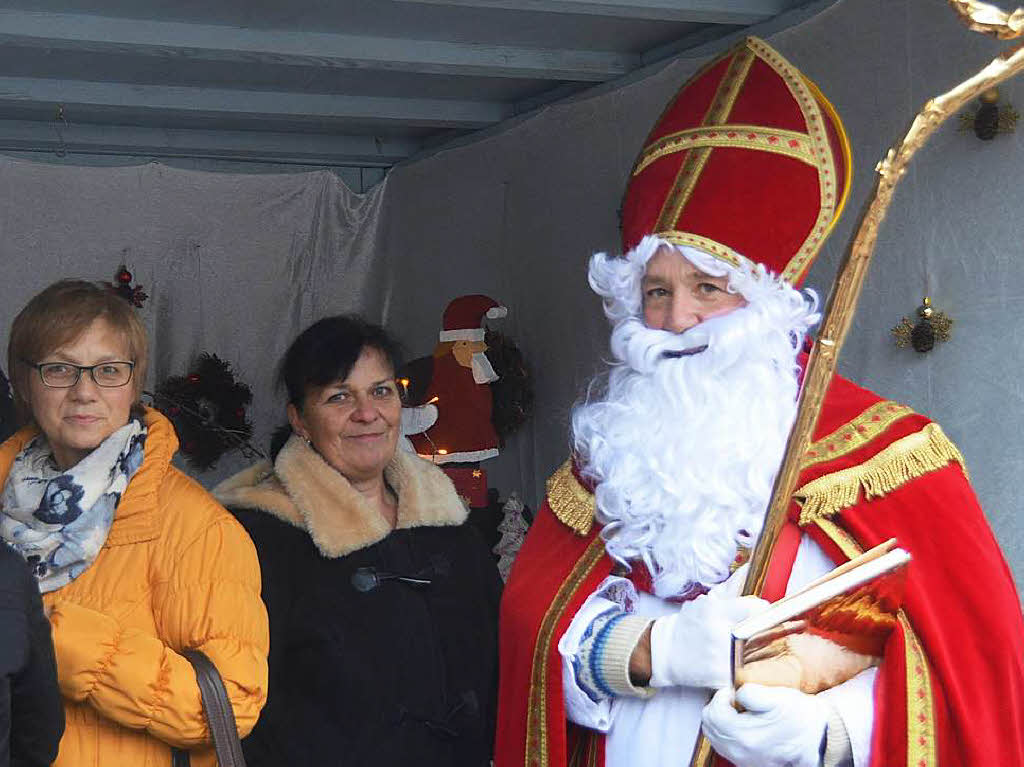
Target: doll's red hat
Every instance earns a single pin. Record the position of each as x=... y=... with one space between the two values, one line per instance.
x=464 y=317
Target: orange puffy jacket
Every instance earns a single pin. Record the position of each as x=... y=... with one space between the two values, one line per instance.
x=176 y=573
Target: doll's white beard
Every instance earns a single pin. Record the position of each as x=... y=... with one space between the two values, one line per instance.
x=483 y=371
x=684 y=450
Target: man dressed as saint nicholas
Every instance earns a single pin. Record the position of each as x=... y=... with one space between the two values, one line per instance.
x=616 y=621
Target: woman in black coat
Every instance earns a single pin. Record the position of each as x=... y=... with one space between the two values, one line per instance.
x=7 y=426
x=382 y=602
x=31 y=712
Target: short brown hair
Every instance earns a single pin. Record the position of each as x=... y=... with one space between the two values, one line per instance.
x=60 y=314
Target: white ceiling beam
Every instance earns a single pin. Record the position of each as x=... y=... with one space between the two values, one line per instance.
x=176 y=41
x=245 y=146
x=702 y=11
x=122 y=98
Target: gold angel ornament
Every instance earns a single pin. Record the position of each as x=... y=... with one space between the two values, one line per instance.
x=989 y=117
x=931 y=326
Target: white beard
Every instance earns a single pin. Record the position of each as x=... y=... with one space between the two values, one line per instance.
x=483 y=371
x=684 y=450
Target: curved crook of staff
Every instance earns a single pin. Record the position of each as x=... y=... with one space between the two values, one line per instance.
x=846 y=290
x=842 y=303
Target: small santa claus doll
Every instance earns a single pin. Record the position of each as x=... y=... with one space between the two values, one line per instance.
x=456 y=379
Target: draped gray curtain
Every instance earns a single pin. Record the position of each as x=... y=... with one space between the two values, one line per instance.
x=518 y=214
x=238 y=264
x=235 y=265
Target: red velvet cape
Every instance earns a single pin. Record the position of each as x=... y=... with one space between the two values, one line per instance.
x=950 y=690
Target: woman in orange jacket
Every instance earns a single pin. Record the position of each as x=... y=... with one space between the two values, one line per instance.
x=136 y=562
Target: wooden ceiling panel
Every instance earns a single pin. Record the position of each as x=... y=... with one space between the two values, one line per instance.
x=354 y=81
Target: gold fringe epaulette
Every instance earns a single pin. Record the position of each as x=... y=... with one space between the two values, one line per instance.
x=904 y=460
x=570 y=501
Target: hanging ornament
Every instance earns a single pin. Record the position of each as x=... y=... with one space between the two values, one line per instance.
x=208 y=409
x=122 y=285
x=922 y=335
x=989 y=118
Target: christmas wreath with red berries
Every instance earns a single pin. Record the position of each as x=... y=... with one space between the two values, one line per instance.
x=208 y=407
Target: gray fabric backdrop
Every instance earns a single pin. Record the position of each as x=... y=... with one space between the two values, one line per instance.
x=237 y=264
x=518 y=214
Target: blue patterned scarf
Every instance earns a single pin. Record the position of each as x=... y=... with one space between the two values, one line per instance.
x=59 y=520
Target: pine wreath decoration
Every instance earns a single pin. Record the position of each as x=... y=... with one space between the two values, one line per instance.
x=208 y=409
x=512 y=393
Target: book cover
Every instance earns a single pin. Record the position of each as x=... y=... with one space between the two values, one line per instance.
x=827 y=632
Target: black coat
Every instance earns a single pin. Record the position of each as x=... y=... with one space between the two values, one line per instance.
x=7 y=419
x=31 y=712
x=385 y=673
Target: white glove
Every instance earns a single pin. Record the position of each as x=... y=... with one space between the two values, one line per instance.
x=693 y=647
x=781 y=727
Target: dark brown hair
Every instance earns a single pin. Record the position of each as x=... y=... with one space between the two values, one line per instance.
x=327 y=350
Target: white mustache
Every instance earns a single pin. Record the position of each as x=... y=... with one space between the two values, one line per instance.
x=643 y=348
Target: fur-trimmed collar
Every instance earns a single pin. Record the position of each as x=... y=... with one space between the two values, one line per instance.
x=301 y=489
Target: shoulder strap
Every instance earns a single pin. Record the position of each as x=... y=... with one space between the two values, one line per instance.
x=219 y=715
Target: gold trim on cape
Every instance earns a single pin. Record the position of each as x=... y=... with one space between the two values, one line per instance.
x=573 y=505
x=905 y=459
x=774 y=140
x=536 y=711
x=921 y=736
x=921 y=739
x=855 y=434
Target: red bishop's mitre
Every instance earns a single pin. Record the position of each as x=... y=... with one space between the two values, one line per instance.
x=464 y=317
x=748 y=160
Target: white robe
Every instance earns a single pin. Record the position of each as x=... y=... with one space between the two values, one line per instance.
x=661 y=731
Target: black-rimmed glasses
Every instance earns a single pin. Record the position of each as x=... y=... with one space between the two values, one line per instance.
x=64 y=375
